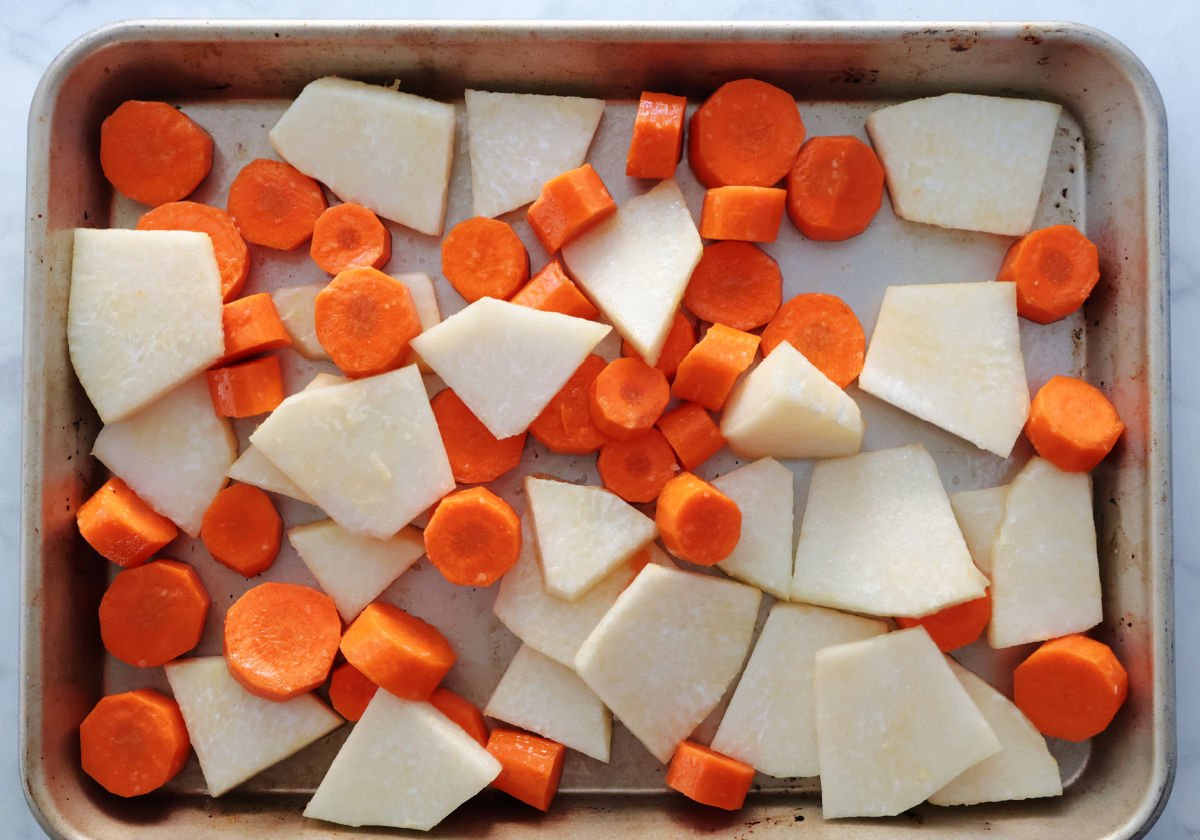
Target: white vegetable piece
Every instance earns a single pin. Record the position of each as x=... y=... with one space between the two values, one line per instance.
x=235 y=734
x=893 y=725
x=386 y=150
x=368 y=452
x=786 y=408
x=297 y=309
x=771 y=722
x=1023 y=769
x=979 y=514
x=547 y=697
x=763 y=555
x=1045 y=570
x=405 y=765
x=966 y=161
x=507 y=361
x=144 y=315
x=426 y=302
x=951 y=355
x=878 y=537
x=635 y=264
x=583 y=533
x=519 y=141
x=668 y=649
x=174 y=453
x=253 y=467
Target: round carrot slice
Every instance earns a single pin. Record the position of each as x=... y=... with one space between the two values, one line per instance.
x=835 y=188
x=1055 y=270
x=233 y=257
x=365 y=320
x=473 y=537
x=748 y=133
x=275 y=205
x=697 y=521
x=565 y=424
x=628 y=397
x=637 y=468
x=476 y=455
x=484 y=258
x=1070 y=688
x=397 y=651
x=957 y=626
x=350 y=236
x=133 y=743
x=825 y=329
x=1072 y=424
x=242 y=530
x=153 y=153
x=154 y=613
x=736 y=284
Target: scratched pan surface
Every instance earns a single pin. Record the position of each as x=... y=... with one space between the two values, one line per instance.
x=1106 y=175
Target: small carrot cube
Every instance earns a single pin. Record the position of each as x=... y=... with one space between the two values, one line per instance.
x=461 y=711
x=530 y=767
x=747 y=214
x=397 y=651
x=247 y=389
x=697 y=522
x=657 y=142
x=569 y=204
x=709 y=370
x=692 y=433
x=121 y=527
x=551 y=290
x=708 y=777
x=252 y=325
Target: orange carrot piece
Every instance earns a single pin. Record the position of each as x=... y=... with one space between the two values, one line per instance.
x=697 y=522
x=154 y=613
x=657 y=142
x=551 y=290
x=153 y=153
x=835 y=188
x=1055 y=270
x=365 y=320
x=1070 y=688
x=746 y=214
x=748 y=133
x=709 y=370
x=242 y=530
x=957 y=626
x=233 y=257
x=463 y=712
x=484 y=258
x=680 y=339
x=638 y=468
x=133 y=743
x=252 y=325
x=121 y=527
x=825 y=329
x=350 y=691
x=349 y=236
x=530 y=767
x=280 y=639
x=569 y=204
x=709 y=777
x=398 y=652
x=246 y=389
x=475 y=454
x=473 y=537
x=692 y=434
x=627 y=397
x=1072 y=424
x=275 y=205
x=565 y=424
x=736 y=284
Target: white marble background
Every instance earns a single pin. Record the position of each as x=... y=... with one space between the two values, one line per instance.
x=1161 y=33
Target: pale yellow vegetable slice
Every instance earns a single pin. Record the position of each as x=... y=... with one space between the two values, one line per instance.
x=979 y=514
x=763 y=555
x=297 y=309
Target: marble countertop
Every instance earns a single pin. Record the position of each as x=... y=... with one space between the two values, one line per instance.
x=1161 y=34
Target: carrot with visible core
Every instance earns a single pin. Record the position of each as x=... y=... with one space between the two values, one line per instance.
x=252 y=325
x=1055 y=270
x=275 y=205
x=365 y=320
x=398 y=652
x=825 y=330
x=473 y=537
x=657 y=142
x=746 y=214
x=133 y=743
x=709 y=777
x=463 y=712
x=349 y=236
x=476 y=455
x=350 y=691
x=551 y=290
x=638 y=468
x=697 y=522
x=736 y=284
x=627 y=397
x=484 y=258
x=233 y=257
x=748 y=133
x=246 y=389
x=121 y=527
x=565 y=424
x=692 y=433
x=242 y=530
x=1072 y=424
x=530 y=767
x=1070 y=688
x=708 y=372
x=568 y=205
x=956 y=626
x=835 y=188
x=153 y=153
x=154 y=613
x=680 y=339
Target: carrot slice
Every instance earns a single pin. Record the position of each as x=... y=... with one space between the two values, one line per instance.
x=835 y=188
x=121 y=527
x=154 y=613
x=349 y=236
x=398 y=652
x=627 y=397
x=1070 y=688
x=680 y=339
x=569 y=204
x=692 y=434
x=153 y=153
x=747 y=133
x=638 y=468
x=551 y=290
x=275 y=205
x=475 y=454
x=133 y=743
x=825 y=329
x=657 y=142
x=697 y=522
x=736 y=284
x=280 y=639
x=350 y=691
x=461 y=711
x=365 y=320
x=484 y=258
x=1055 y=270
x=530 y=767
x=708 y=372
x=242 y=530
x=233 y=257
x=252 y=325
x=473 y=537
x=1072 y=424
x=246 y=389
x=709 y=777
x=747 y=214
x=957 y=626
x=565 y=424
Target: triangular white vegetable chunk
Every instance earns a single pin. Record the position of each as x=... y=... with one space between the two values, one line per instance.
x=368 y=452
x=951 y=355
x=979 y=514
x=583 y=533
x=235 y=734
x=878 y=537
x=386 y=150
x=635 y=264
x=144 y=315
x=296 y=306
x=420 y=286
x=763 y=555
x=771 y=722
x=966 y=161
x=1023 y=769
x=174 y=453
x=547 y=697
x=507 y=361
x=1045 y=571
x=519 y=141
x=893 y=725
x=405 y=765
x=663 y=656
